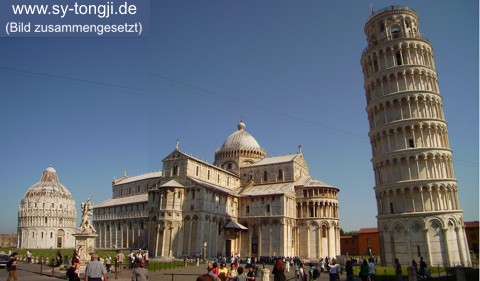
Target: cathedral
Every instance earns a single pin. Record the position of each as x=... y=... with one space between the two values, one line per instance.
x=47 y=215
x=244 y=203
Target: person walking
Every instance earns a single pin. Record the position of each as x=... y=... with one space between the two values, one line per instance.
x=222 y=272
x=371 y=269
x=12 y=267
x=349 y=270
x=72 y=272
x=279 y=271
x=423 y=267
x=364 y=270
x=120 y=257
x=95 y=270
x=140 y=273
x=398 y=270
x=232 y=272
x=108 y=262
x=302 y=275
x=29 y=256
x=334 y=271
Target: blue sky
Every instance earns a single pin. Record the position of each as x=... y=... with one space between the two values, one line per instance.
x=96 y=107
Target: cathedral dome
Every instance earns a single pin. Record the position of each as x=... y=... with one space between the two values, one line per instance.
x=240 y=139
x=239 y=150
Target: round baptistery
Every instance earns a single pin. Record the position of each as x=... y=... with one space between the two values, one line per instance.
x=47 y=215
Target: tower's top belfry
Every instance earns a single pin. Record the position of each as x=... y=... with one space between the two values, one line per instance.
x=394 y=22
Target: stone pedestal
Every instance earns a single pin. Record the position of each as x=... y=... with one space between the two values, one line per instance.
x=85 y=245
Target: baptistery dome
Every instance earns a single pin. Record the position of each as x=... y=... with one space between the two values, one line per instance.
x=239 y=150
x=47 y=215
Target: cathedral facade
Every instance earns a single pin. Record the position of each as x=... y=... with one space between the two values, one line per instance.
x=416 y=190
x=47 y=215
x=244 y=203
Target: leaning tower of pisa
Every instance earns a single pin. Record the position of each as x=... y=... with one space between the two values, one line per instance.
x=419 y=214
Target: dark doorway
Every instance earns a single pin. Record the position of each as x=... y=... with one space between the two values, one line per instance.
x=254 y=246
x=228 y=247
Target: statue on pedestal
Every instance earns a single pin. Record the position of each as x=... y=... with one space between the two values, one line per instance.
x=86 y=233
x=86 y=225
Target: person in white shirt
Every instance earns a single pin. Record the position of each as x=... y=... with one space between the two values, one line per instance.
x=371 y=269
x=334 y=271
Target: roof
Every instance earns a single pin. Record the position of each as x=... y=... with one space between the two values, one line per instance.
x=212 y=186
x=139 y=177
x=172 y=183
x=49 y=185
x=235 y=225
x=204 y=162
x=140 y=198
x=313 y=182
x=240 y=139
x=368 y=230
x=281 y=187
x=267 y=189
x=471 y=224
x=275 y=160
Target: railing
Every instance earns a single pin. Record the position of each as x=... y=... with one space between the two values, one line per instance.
x=391 y=8
x=384 y=38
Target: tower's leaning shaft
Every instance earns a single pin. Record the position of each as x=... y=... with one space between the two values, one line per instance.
x=415 y=187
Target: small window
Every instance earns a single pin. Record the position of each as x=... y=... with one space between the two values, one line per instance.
x=399 y=58
x=248 y=209
x=396 y=32
x=391 y=208
x=51 y=234
x=280 y=175
x=411 y=144
x=268 y=208
x=197 y=172
x=265 y=176
x=229 y=166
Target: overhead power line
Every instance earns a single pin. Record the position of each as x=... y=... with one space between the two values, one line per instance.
x=266 y=109
x=58 y=78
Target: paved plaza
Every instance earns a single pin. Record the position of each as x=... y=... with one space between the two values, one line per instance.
x=33 y=272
